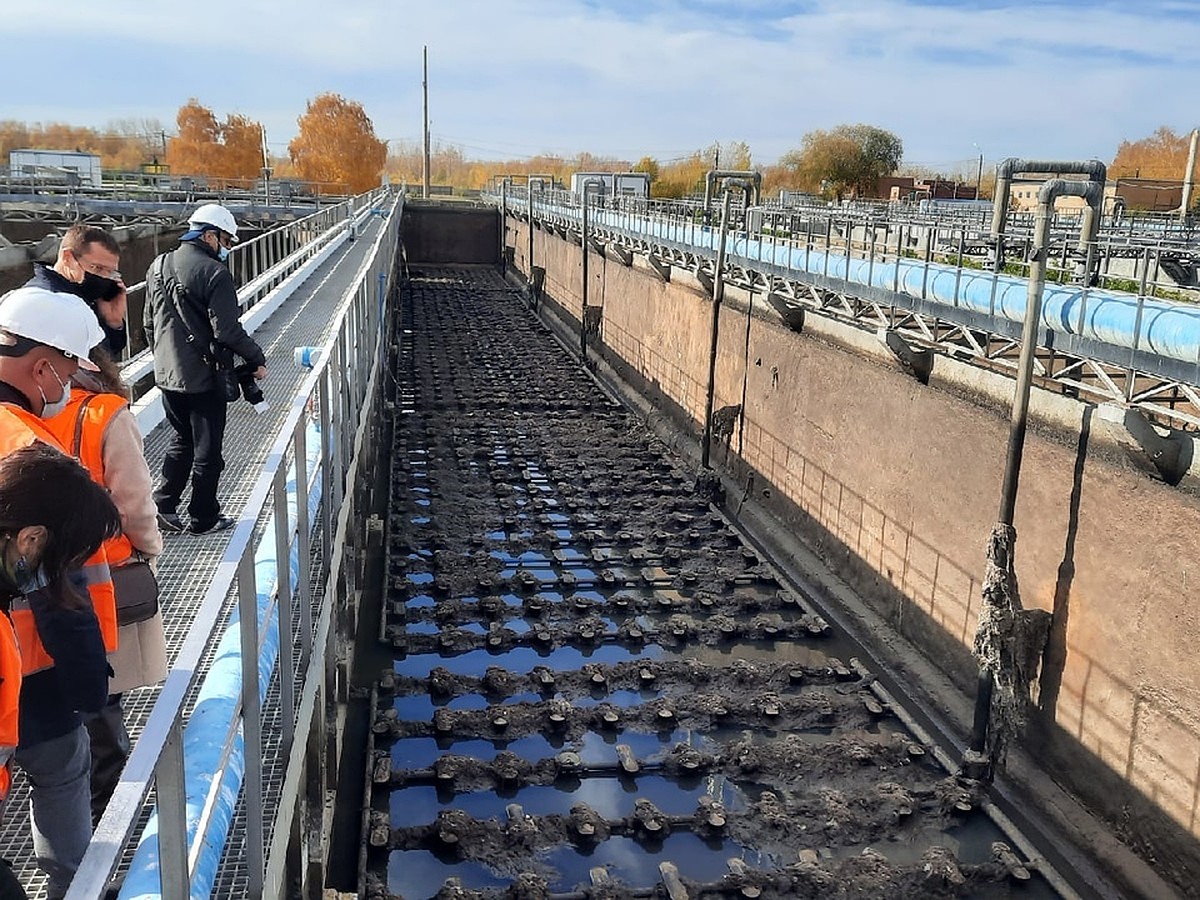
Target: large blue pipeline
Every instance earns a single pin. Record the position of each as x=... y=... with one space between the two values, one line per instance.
x=216 y=704
x=1170 y=330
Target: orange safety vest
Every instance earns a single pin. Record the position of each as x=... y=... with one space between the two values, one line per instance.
x=10 y=696
x=20 y=428
x=80 y=430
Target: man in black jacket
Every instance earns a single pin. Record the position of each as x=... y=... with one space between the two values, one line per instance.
x=191 y=319
x=87 y=266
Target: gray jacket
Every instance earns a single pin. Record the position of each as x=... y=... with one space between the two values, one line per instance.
x=182 y=344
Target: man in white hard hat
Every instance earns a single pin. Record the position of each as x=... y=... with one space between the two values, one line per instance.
x=45 y=337
x=192 y=325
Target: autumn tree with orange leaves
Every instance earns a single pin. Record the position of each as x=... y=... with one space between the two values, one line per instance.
x=1161 y=155
x=337 y=144
x=207 y=147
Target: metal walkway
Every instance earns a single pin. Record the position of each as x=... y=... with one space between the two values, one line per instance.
x=189 y=561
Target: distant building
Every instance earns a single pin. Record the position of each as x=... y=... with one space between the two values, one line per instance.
x=1148 y=194
x=913 y=190
x=70 y=167
x=893 y=187
x=623 y=184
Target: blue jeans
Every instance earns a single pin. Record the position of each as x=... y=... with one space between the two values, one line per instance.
x=60 y=808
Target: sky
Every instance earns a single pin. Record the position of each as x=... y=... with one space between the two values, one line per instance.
x=954 y=79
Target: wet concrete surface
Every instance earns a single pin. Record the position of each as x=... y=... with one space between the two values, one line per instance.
x=598 y=689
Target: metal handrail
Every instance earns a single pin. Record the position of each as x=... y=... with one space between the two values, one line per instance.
x=850 y=241
x=340 y=386
x=264 y=262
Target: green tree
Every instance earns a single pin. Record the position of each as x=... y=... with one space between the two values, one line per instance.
x=848 y=158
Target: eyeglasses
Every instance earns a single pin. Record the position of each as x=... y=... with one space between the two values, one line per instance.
x=97 y=269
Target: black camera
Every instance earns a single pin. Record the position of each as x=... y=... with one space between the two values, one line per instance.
x=250 y=388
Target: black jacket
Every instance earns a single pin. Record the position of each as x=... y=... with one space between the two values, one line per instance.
x=115 y=339
x=181 y=334
x=55 y=701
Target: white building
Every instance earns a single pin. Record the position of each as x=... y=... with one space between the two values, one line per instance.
x=55 y=164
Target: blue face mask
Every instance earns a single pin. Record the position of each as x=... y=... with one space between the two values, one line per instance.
x=223 y=253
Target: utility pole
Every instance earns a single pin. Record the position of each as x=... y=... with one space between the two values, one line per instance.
x=979 y=172
x=1189 y=176
x=425 y=92
x=266 y=167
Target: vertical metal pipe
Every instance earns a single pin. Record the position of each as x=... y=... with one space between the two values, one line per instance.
x=425 y=120
x=583 y=297
x=1039 y=253
x=1020 y=410
x=718 y=294
x=503 y=221
x=962 y=249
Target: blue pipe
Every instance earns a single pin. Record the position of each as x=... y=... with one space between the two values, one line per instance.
x=209 y=723
x=1170 y=330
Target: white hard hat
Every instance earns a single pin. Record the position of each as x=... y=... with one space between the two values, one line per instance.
x=61 y=321
x=217 y=216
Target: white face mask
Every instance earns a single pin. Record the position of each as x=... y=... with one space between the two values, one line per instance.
x=49 y=409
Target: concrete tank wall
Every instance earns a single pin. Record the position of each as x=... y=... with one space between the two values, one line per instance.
x=450 y=232
x=895 y=485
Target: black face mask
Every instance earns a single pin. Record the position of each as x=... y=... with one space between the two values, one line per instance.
x=96 y=287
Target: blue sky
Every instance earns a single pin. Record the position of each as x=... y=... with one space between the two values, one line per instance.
x=953 y=78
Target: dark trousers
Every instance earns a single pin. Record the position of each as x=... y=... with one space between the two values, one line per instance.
x=110 y=749
x=198 y=421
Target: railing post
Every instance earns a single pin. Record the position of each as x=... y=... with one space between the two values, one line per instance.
x=170 y=788
x=252 y=783
x=303 y=541
x=283 y=599
x=328 y=450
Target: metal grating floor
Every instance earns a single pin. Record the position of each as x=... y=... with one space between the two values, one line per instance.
x=188 y=561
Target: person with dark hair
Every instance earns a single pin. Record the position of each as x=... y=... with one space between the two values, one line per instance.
x=51 y=520
x=192 y=325
x=45 y=338
x=53 y=517
x=99 y=430
x=87 y=266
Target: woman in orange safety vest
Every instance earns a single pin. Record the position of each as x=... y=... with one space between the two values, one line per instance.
x=52 y=518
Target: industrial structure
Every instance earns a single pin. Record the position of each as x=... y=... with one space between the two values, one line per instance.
x=602 y=547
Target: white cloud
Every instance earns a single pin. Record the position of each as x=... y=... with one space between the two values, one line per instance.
x=1028 y=78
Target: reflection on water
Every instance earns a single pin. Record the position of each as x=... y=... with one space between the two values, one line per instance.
x=611 y=798
x=521 y=660
x=419 y=874
x=636 y=864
